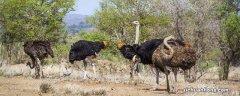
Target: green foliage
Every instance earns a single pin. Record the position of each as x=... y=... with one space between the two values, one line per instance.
x=207 y=65
x=117 y=15
x=229 y=36
x=232 y=34
x=212 y=55
x=61 y=50
x=95 y=36
x=224 y=8
x=33 y=19
x=232 y=29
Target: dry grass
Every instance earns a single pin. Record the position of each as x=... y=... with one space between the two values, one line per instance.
x=74 y=89
x=46 y=87
x=106 y=72
x=109 y=75
x=16 y=70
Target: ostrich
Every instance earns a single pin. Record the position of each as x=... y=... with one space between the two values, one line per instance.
x=38 y=51
x=86 y=51
x=141 y=53
x=179 y=56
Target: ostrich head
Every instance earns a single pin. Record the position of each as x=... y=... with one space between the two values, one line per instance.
x=136 y=22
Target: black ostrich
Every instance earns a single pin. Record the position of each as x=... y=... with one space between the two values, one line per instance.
x=38 y=51
x=143 y=53
x=83 y=50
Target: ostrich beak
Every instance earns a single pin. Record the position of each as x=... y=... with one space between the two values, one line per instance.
x=133 y=22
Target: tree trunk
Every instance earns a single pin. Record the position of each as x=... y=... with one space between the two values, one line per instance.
x=2 y=54
x=9 y=53
x=225 y=61
x=224 y=70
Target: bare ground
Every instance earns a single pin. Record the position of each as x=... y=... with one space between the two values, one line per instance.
x=27 y=86
x=21 y=84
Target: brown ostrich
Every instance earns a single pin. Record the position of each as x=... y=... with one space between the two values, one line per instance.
x=38 y=51
x=174 y=55
x=141 y=53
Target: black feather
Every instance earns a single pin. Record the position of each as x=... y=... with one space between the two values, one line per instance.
x=81 y=49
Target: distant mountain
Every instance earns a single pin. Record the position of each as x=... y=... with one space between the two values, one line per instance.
x=76 y=22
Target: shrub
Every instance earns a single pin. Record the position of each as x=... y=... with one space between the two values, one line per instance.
x=46 y=87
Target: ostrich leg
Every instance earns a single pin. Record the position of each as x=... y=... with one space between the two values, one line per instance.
x=39 y=68
x=132 y=70
x=35 y=62
x=187 y=75
x=94 y=70
x=134 y=67
x=166 y=72
x=138 y=70
x=157 y=76
x=90 y=58
x=85 y=69
x=175 y=70
x=36 y=72
x=31 y=65
x=157 y=79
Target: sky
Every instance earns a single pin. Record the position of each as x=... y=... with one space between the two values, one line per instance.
x=85 y=7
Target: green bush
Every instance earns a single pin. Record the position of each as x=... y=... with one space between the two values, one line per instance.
x=207 y=65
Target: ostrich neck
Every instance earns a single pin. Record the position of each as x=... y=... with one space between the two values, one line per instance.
x=137 y=34
x=169 y=47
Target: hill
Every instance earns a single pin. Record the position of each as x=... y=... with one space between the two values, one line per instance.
x=76 y=22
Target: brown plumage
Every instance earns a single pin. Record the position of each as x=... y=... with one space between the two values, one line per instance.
x=173 y=55
x=38 y=51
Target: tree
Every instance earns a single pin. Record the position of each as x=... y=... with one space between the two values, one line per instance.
x=24 y=20
x=33 y=19
x=229 y=36
x=115 y=16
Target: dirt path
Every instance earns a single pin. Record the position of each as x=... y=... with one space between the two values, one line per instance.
x=27 y=86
